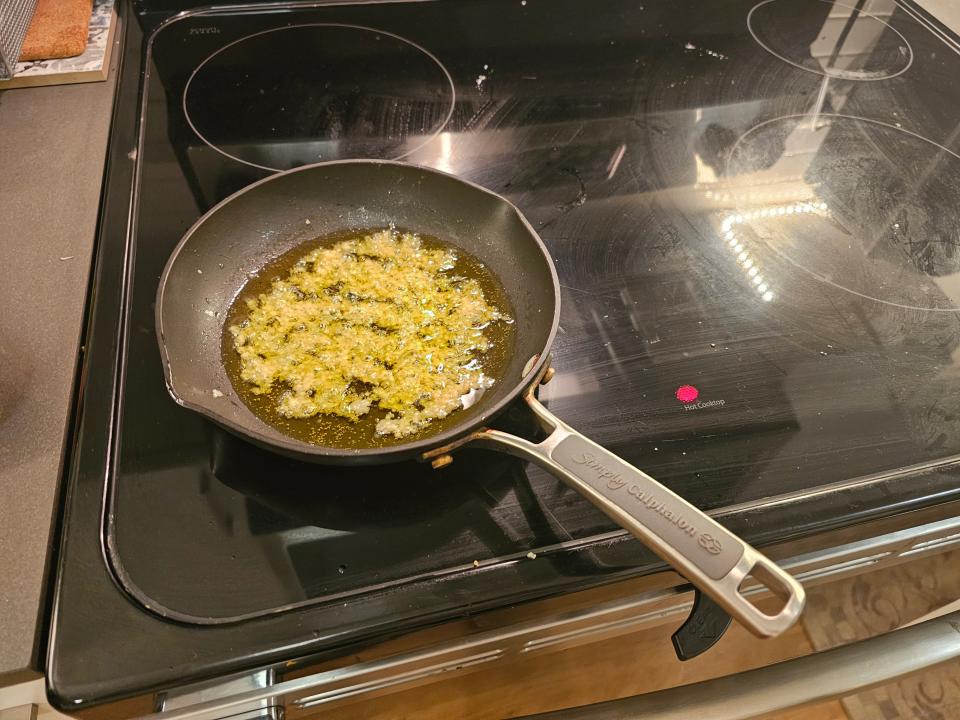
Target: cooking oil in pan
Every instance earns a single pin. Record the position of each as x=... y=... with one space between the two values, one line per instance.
x=335 y=431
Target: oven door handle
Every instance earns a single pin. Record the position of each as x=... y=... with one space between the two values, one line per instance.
x=807 y=680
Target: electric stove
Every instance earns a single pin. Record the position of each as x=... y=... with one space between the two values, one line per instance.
x=753 y=208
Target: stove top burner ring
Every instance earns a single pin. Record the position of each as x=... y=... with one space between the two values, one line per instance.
x=893 y=62
x=889 y=210
x=368 y=146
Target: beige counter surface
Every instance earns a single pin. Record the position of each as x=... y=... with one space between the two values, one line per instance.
x=52 y=149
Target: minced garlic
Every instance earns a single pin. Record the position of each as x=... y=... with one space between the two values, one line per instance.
x=378 y=321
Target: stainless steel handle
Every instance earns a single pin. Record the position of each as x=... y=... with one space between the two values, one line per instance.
x=707 y=554
x=807 y=680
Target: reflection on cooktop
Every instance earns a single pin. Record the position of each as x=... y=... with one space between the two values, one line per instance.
x=315 y=92
x=831 y=38
x=344 y=528
x=863 y=206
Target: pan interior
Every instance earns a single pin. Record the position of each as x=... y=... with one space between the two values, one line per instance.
x=334 y=431
x=246 y=233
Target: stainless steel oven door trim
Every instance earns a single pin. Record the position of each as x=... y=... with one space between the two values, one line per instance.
x=223 y=688
x=815 y=678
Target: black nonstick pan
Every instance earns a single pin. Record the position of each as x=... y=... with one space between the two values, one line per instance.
x=242 y=234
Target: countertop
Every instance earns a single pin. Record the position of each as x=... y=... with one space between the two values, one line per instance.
x=53 y=143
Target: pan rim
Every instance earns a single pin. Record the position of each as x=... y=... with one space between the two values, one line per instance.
x=375 y=455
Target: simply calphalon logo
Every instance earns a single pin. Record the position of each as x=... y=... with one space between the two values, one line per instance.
x=636 y=494
x=648 y=498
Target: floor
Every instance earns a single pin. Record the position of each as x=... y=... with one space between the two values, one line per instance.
x=868 y=605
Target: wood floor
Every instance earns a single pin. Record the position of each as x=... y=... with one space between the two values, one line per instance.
x=642 y=662
x=868 y=605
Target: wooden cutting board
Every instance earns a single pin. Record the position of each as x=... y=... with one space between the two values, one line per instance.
x=58 y=29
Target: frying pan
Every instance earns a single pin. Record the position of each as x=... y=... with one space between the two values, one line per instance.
x=242 y=234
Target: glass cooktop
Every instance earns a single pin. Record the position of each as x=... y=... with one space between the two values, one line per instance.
x=753 y=209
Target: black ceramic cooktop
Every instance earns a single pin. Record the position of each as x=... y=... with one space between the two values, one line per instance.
x=753 y=209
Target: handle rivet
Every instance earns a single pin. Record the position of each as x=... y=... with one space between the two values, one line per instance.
x=442 y=461
x=548 y=376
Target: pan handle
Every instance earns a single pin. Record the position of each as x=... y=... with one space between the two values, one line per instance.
x=702 y=550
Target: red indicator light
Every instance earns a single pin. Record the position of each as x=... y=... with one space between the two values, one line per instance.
x=687 y=393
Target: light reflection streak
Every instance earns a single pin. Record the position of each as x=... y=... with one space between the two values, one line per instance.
x=750 y=265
